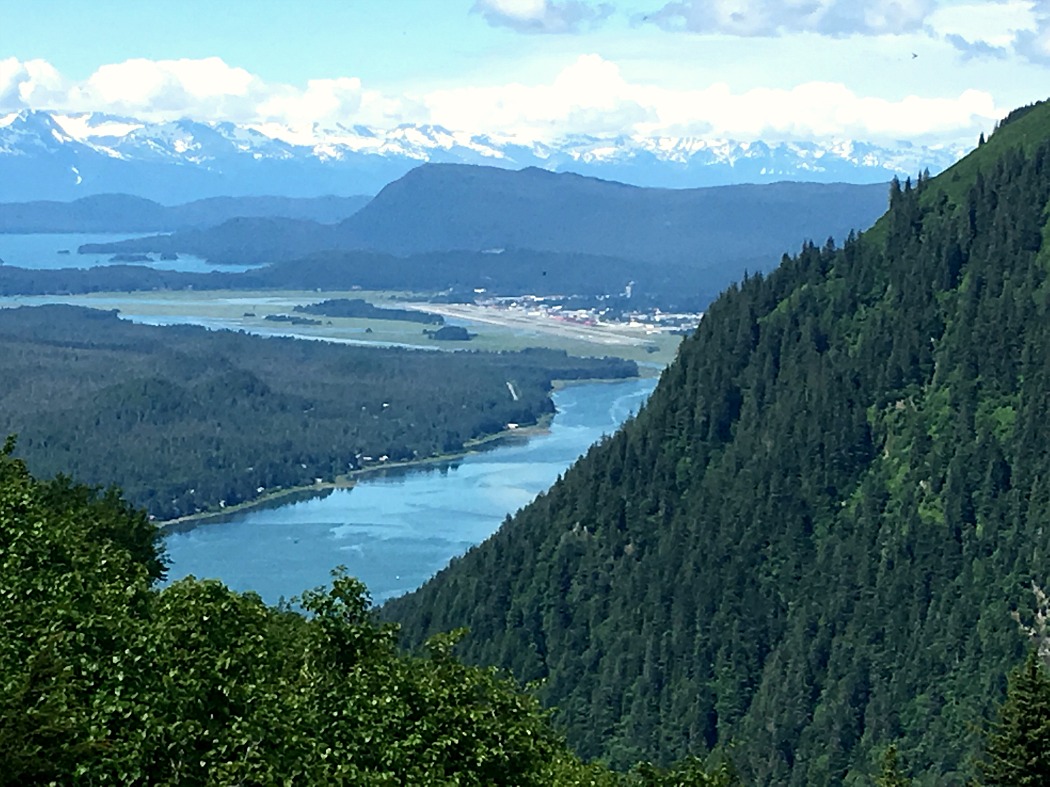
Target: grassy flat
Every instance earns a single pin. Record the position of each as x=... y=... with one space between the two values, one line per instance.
x=496 y=329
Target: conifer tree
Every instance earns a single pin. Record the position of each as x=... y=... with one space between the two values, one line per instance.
x=892 y=774
x=1017 y=752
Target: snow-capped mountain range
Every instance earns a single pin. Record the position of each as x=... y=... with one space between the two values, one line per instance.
x=62 y=156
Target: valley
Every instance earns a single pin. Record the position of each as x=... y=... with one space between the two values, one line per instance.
x=525 y=393
x=190 y=420
x=395 y=527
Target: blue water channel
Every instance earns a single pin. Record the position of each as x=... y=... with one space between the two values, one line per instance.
x=48 y=251
x=396 y=530
x=392 y=530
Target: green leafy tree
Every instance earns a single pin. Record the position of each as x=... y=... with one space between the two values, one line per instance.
x=104 y=679
x=690 y=772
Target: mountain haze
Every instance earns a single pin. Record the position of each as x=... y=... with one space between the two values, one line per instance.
x=699 y=237
x=449 y=206
x=810 y=543
x=127 y=213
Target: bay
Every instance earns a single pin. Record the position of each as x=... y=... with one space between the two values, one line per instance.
x=396 y=530
x=48 y=251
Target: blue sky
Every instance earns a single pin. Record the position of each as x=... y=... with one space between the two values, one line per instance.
x=933 y=71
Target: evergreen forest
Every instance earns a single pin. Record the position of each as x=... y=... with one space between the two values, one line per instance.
x=186 y=420
x=814 y=550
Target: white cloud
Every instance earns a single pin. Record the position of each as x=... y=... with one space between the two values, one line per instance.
x=141 y=81
x=1033 y=42
x=779 y=17
x=821 y=110
x=997 y=29
x=25 y=84
x=202 y=89
x=323 y=99
x=170 y=89
x=542 y=16
x=994 y=24
x=976 y=28
x=589 y=96
x=293 y=114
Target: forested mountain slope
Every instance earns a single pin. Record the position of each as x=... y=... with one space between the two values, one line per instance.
x=439 y=207
x=809 y=543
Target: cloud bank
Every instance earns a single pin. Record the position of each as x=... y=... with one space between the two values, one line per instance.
x=590 y=96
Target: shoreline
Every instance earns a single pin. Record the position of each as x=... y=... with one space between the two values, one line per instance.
x=350 y=480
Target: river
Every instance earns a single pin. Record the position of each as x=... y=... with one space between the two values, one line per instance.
x=393 y=530
x=396 y=530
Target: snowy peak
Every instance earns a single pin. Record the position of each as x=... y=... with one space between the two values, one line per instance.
x=188 y=159
x=30 y=130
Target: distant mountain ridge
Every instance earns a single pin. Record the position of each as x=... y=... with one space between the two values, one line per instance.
x=52 y=155
x=451 y=207
x=458 y=207
x=126 y=213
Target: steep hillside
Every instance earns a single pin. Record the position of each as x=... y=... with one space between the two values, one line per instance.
x=809 y=543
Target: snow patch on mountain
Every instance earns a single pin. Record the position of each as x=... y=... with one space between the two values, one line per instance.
x=86 y=127
x=194 y=159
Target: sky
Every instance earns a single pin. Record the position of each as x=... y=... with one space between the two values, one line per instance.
x=934 y=72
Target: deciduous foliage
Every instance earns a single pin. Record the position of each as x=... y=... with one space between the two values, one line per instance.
x=105 y=679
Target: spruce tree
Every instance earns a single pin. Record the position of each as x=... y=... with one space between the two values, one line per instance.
x=1017 y=752
x=892 y=774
